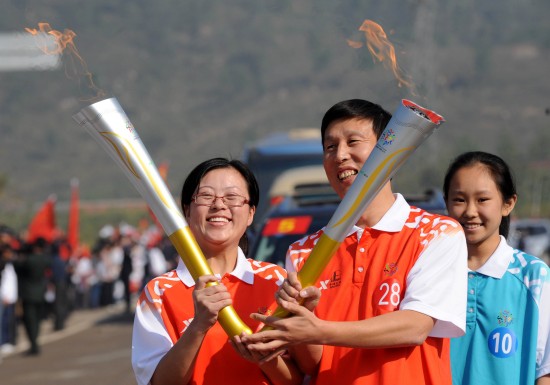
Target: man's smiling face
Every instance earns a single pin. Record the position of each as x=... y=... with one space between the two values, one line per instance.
x=347 y=145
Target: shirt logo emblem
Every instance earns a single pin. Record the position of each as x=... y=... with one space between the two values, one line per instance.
x=390 y=269
x=504 y=318
x=334 y=281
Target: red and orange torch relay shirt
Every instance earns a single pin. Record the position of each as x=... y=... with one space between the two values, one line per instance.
x=165 y=309
x=410 y=260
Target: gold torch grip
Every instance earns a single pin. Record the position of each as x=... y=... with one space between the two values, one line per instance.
x=191 y=254
x=317 y=261
x=312 y=269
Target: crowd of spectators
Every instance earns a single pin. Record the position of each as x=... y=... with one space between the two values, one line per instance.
x=45 y=281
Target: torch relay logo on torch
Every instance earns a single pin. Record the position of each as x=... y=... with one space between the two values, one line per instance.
x=388 y=137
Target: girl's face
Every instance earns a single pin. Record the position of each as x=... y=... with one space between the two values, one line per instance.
x=476 y=202
x=220 y=226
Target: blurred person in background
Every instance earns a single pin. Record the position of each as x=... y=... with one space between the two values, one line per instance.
x=83 y=277
x=110 y=258
x=10 y=244
x=152 y=263
x=170 y=253
x=2 y=266
x=126 y=268
x=31 y=269
x=57 y=290
x=8 y=299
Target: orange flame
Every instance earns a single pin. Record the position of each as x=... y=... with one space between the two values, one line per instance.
x=382 y=50
x=77 y=68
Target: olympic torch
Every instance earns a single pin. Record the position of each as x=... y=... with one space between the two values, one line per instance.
x=108 y=124
x=409 y=126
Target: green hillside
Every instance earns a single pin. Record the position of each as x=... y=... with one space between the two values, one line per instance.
x=201 y=79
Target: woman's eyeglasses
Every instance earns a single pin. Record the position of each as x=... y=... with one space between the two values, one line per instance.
x=232 y=200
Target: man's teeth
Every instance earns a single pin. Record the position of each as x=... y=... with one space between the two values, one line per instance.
x=218 y=219
x=346 y=174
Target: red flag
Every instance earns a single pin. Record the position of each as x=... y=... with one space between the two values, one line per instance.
x=163 y=170
x=43 y=223
x=73 y=225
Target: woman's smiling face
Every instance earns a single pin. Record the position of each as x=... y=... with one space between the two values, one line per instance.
x=219 y=226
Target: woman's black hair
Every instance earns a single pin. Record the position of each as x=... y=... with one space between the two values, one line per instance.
x=194 y=178
x=499 y=170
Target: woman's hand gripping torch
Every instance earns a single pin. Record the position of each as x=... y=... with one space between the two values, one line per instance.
x=409 y=126
x=108 y=124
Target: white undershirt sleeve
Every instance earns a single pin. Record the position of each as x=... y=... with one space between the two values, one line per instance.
x=150 y=341
x=437 y=284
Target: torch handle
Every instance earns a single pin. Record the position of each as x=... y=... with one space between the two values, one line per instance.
x=186 y=245
x=108 y=124
x=312 y=269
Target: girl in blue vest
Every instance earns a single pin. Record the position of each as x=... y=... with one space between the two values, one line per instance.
x=508 y=312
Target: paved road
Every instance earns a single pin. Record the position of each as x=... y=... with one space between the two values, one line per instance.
x=94 y=348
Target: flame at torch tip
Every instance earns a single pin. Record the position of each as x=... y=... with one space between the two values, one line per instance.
x=65 y=45
x=382 y=50
x=63 y=40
